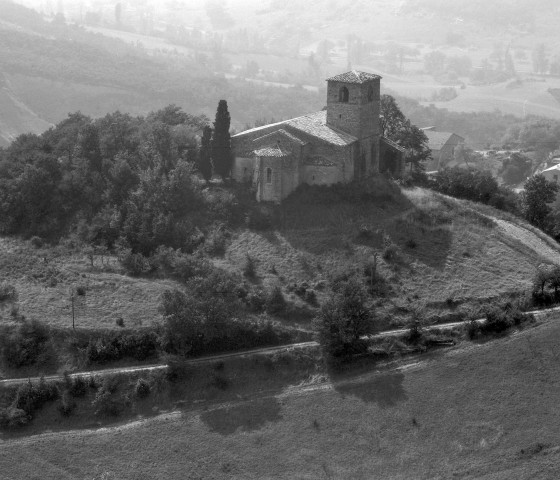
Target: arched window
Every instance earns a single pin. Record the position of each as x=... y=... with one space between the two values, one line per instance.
x=269 y=175
x=343 y=95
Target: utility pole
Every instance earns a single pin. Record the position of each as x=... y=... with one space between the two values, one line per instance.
x=73 y=316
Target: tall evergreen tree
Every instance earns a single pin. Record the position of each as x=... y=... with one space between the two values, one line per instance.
x=204 y=154
x=221 y=141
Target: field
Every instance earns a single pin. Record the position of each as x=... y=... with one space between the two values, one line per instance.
x=483 y=410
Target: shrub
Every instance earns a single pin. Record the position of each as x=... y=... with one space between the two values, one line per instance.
x=25 y=345
x=36 y=241
x=140 y=346
x=134 y=263
x=119 y=322
x=257 y=300
x=275 y=302
x=8 y=292
x=11 y=417
x=497 y=321
x=30 y=397
x=390 y=252
x=107 y=403
x=216 y=240
x=311 y=298
x=250 y=267
x=142 y=388
x=411 y=243
x=66 y=405
x=77 y=386
x=80 y=290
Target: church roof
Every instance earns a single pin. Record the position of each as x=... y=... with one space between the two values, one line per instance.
x=283 y=132
x=315 y=124
x=354 y=76
x=271 y=151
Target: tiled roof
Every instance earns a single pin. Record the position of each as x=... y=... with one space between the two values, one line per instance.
x=436 y=140
x=319 y=161
x=271 y=151
x=393 y=144
x=315 y=124
x=283 y=132
x=354 y=77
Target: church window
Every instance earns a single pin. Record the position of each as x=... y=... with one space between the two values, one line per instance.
x=269 y=175
x=343 y=95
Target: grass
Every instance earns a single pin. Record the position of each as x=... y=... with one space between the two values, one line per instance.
x=479 y=411
x=447 y=249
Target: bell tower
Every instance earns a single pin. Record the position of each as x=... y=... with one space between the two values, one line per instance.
x=353 y=103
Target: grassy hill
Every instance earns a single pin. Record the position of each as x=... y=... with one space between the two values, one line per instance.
x=442 y=255
x=483 y=410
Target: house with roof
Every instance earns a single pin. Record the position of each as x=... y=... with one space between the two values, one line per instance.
x=443 y=146
x=338 y=144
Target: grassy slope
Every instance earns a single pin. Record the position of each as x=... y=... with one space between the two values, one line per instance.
x=460 y=258
x=464 y=253
x=109 y=293
x=478 y=411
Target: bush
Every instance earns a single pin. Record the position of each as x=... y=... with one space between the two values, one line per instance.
x=275 y=302
x=216 y=241
x=108 y=404
x=142 y=388
x=30 y=397
x=497 y=321
x=220 y=381
x=250 y=267
x=390 y=252
x=36 y=241
x=81 y=290
x=134 y=263
x=119 y=322
x=13 y=417
x=311 y=298
x=257 y=300
x=25 y=345
x=8 y=292
x=66 y=405
x=77 y=386
x=139 y=346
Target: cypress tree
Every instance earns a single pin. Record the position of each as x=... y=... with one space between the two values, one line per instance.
x=204 y=162
x=221 y=141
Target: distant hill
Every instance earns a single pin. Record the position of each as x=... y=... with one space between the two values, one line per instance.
x=53 y=69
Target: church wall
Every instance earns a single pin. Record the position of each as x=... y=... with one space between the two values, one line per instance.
x=321 y=175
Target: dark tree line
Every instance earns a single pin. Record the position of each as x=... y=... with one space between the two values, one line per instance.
x=116 y=179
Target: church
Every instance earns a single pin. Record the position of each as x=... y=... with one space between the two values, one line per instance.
x=341 y=143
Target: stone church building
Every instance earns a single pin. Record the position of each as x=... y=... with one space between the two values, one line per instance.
x=338 y=144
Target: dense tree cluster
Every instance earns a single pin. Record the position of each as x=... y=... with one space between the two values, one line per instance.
x=118 y=178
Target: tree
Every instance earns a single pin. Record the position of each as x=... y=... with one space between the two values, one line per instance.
x=204 y=162
x=434 y=62
x=344 y=319
x=221 y=141
x=396 y=127
x=540 y=62
x=539 y=193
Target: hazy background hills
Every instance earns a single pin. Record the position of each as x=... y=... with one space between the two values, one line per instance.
x=269 y=59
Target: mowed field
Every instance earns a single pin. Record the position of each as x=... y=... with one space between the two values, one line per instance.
x=487 y=410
